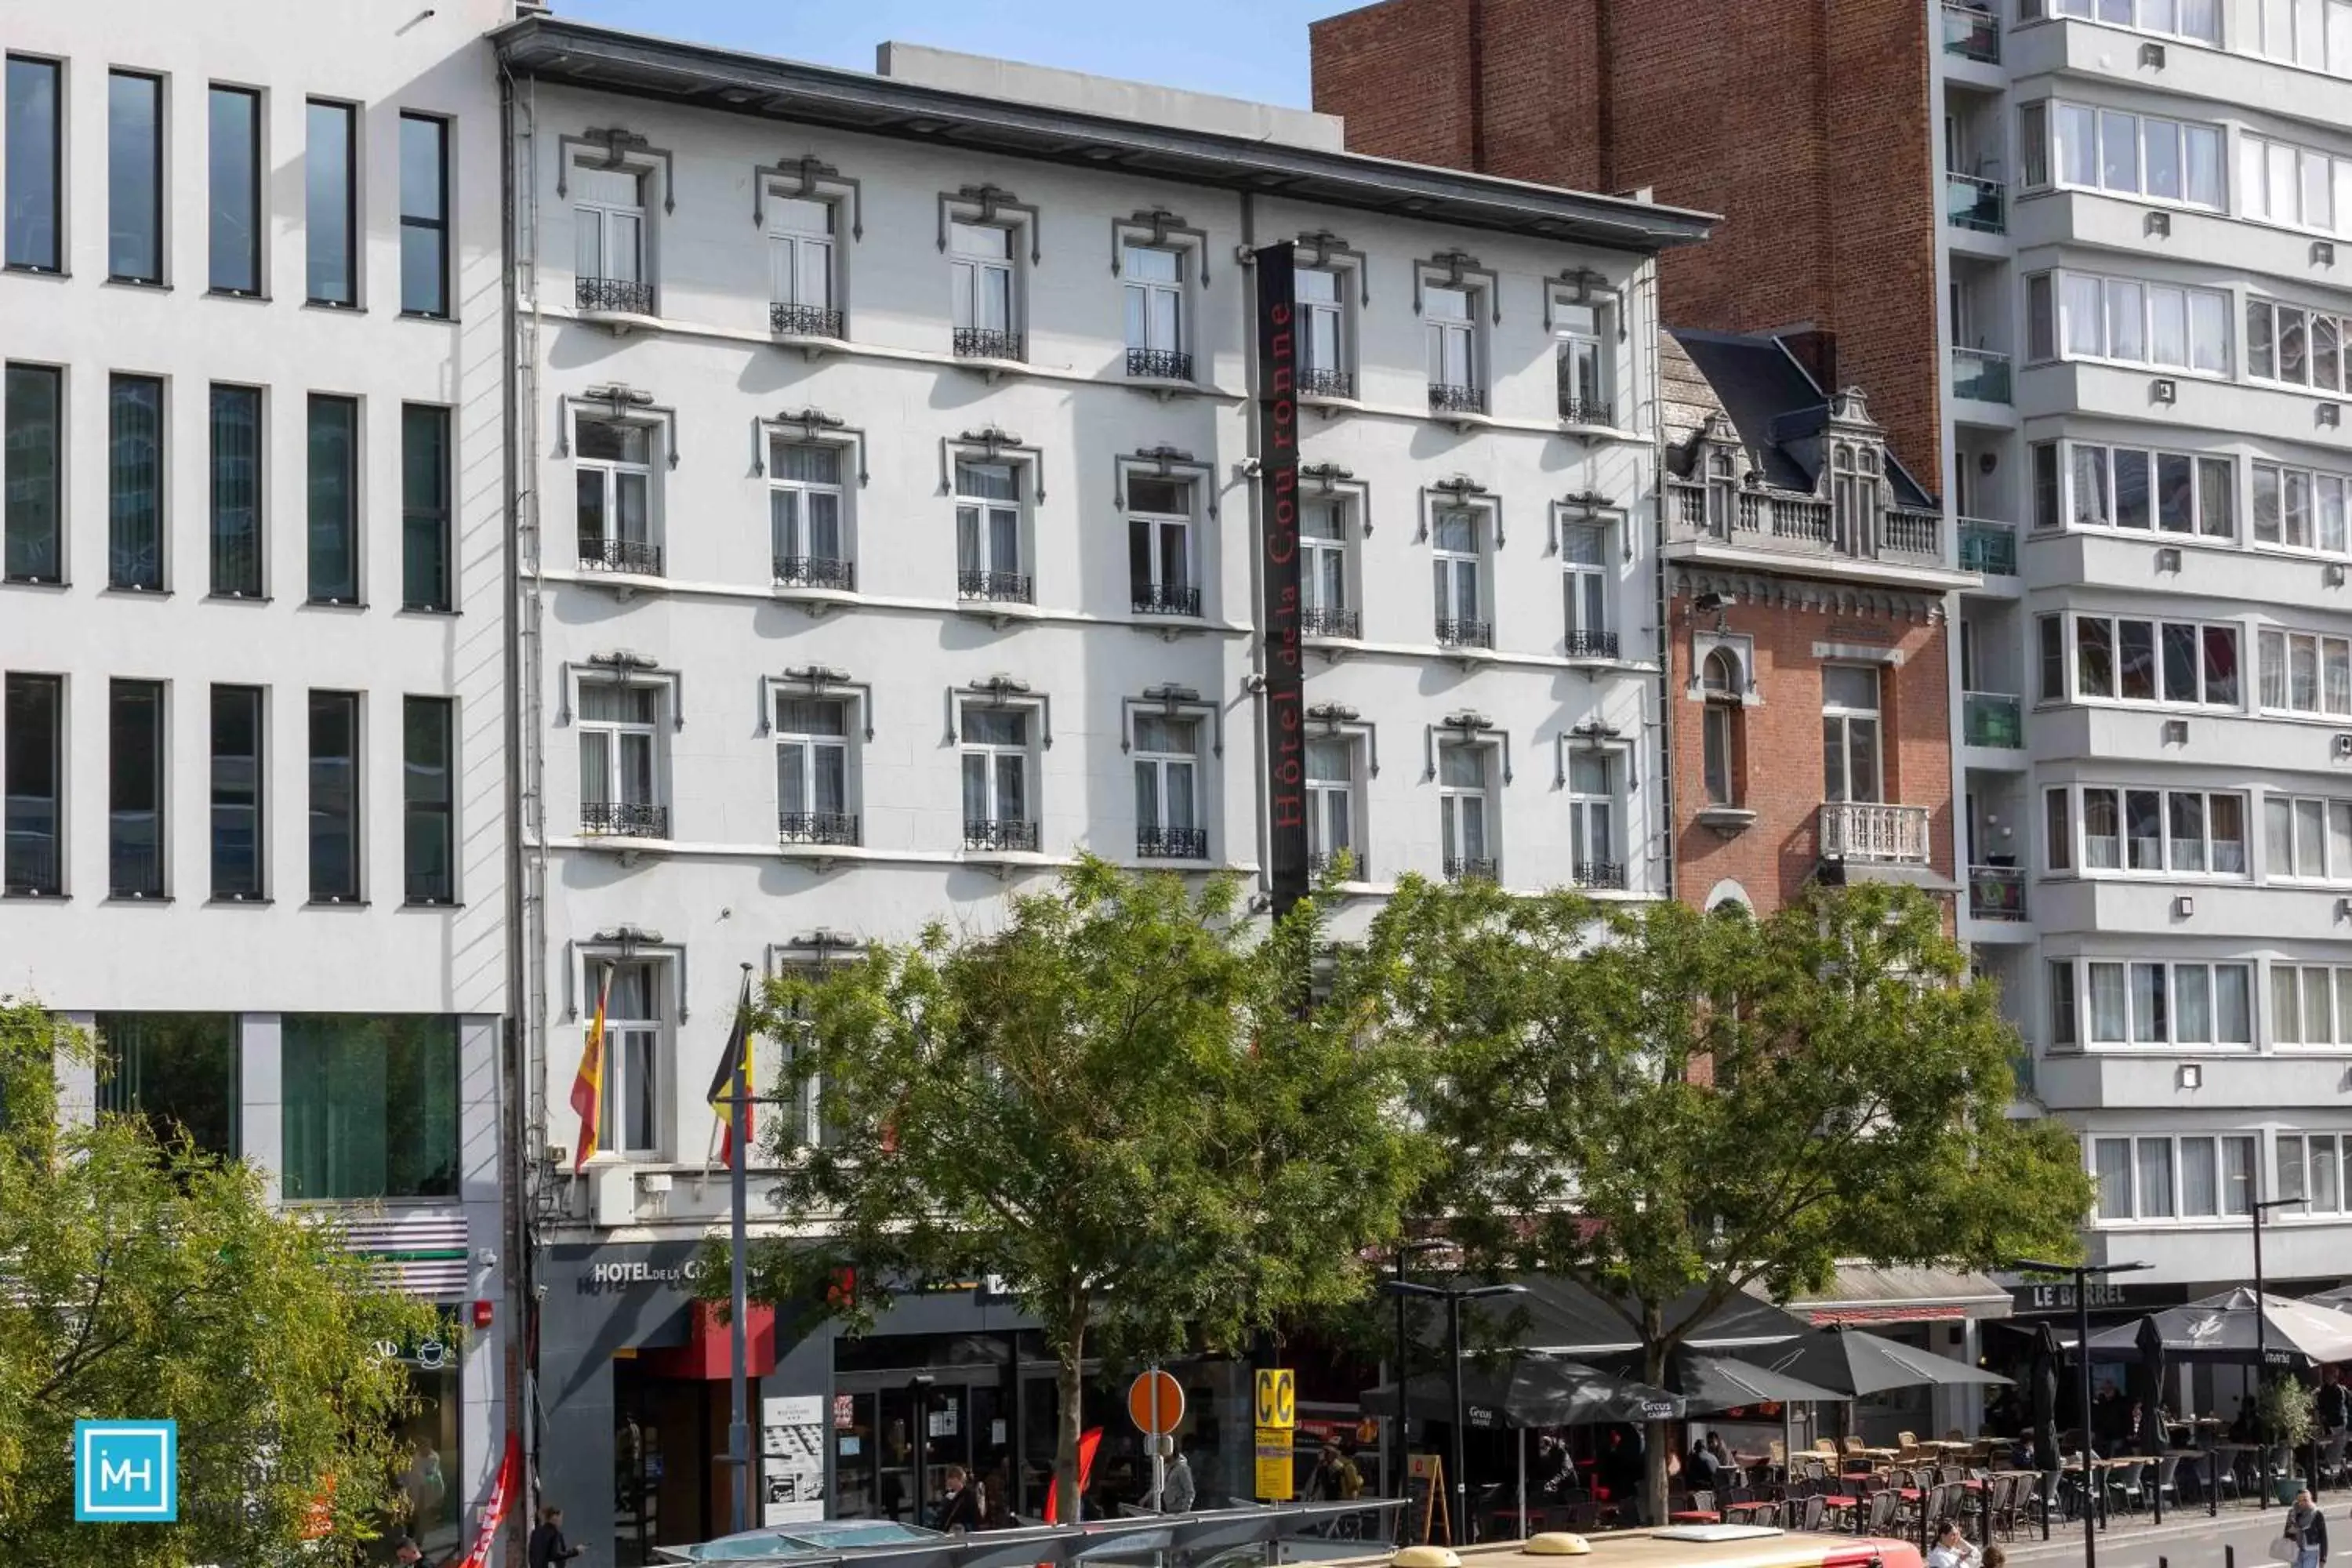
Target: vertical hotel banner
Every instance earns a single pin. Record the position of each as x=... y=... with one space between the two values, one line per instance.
x=1277 y=417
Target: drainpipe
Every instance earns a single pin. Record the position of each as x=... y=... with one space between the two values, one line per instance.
x=1665 y=760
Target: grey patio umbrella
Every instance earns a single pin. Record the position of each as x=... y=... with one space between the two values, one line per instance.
x=1529 y=1391
x=2047 y=1358
x=2221 y=1328
x=1853 y=1362
x=1711 y=1384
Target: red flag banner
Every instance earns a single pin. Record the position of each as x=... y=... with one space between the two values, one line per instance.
x=495 y=1507
x=588 y=1084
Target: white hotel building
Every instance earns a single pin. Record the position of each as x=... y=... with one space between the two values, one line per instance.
x=252 y=615
x=889 y=536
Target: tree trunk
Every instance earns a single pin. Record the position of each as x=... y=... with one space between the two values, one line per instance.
x=1654 y=1350
x=1068 y=1381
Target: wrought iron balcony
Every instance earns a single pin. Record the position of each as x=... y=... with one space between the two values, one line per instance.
x=1172 y=843
x=999 y=833
x=1469 y=868
x=624 y=820
x=1988 y=547
x=1872 y=830
x=1972 y=203
x=987 y=342
x=624 y=295
x=1992 y=719
x=1322 y=380
x=1159 y=364
x=1971 y=32
x=134 y=855
x=1592 y=644
x=1466 y=634
x=1997 y=892
x=1584 y=410
x=1600 y=874
x=803 y=320
x=1009 y=587
x=816 y=572
x=816 y=826
x=1445 y=399
x=1159 y=599
x=32 y=861
x=1323 y=622
x=620 y=555
x=1981 y=374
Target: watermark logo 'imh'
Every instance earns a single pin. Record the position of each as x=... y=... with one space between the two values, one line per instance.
x=126 y=1472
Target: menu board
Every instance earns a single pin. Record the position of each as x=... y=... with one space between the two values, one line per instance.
x=792 y=1448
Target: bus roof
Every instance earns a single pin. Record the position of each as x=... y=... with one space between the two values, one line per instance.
x=1696 y=1546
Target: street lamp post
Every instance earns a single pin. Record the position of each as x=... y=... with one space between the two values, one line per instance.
x=2081 y=1273
x=2263 y=1344
x=1404 y=1253
x=1452 y=1295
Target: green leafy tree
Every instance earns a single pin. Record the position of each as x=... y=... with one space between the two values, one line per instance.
x=1671 y=1107
x=1116 y=1102
x=143 y=1280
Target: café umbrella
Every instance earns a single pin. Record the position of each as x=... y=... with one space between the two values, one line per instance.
x=1855 y=1363
x=2222 y=1328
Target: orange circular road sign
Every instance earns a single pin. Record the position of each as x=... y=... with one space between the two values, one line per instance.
x=1156 y=1402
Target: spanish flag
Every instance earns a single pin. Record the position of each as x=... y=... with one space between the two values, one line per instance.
x=722 y=1085
x=588 y=1084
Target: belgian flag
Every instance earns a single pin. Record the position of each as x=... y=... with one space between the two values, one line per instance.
x=722 y=1086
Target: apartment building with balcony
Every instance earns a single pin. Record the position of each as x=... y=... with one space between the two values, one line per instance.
x=2084 y=254
x=253 y=620
x=891 y=535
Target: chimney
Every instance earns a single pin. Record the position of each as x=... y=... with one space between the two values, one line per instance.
x=1815 y=348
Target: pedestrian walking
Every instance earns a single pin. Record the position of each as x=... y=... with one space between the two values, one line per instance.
x=961 y=1508
x=2306 y=1531
x=548 y=1548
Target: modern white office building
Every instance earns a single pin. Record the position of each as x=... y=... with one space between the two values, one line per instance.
x=890 y=537
x=253 y=616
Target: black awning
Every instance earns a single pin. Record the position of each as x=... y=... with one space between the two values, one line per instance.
x=1560 y=1318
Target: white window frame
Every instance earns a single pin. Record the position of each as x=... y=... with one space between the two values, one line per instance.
x=2295 y=1180
x=993 y=754
x=1455 y=340
x=2288 y=32
x=2103 y=511
x=797 y=254
x=977 y=518
x=2104 y=12
x=799 y=498
x=2172 y=851
x=598 y=215
x=1156 y=767
x=1317 y=317
x=1579 y=345
x=1456 y=830
x=1155 y=592
x=616 y=736
x=615 y=473
x=972 y=276
x=2267 y=324
x=2331 y=673
x=1452 y=567
x=2141 y=1032
x=2325 y=522
x=2146 y=130
x=2334 y=838
x=2263 y=160
x=659 y=1037
x=1152 y=294
x=1721 y=721
x=2292 y=992
x=2074 y=689
x=1845 y=719
x=1596 y=817
x=808 y=744
x=1327 y=796
x=1588 y=577
x=2229 y=1209
x=2091 y=305
x=1327 y=561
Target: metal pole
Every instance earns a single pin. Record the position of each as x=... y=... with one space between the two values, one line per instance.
x=1461 y=1487
x=1019 y=1478
x=2083 y=1353
x=1403 y=1372
x=919 y=1402
x=2261 y=1354
x=1158 y=1460
x=739 y=1349
x=1523 y=1482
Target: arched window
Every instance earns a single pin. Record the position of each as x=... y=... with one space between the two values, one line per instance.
x=1846 y=498
x=1721 y=685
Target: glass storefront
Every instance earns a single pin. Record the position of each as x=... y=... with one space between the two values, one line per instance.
x=430 y=1504
x=370 y=1106
x=178 y=1069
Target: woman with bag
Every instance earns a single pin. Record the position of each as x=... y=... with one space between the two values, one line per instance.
x=2305 y=1544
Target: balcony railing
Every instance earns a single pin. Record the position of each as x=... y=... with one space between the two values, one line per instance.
x=1971 y=33
x=1159 y=364
x=1797 y=524
x=1160 y=599
x=816 y=572
x=1992 y=719
x=986 y=343
x=1321 y=380
x=1323 y=622
x=624 y=820
x=1870 y=830
x=1172 y=843
x=803 y=320
x=1592 y=644
x=1445 y=399
x=1466 y=634
x=620 y=555
x=1007 y=587
x=1469 y=868
x=1971 y=203
x=1988 y=547
x=31 y=858
x=1982 y=375
x=624 y=295
x=1600 y=874
x=1997 y=892
x=134 y=855
x=1584 y=410
x=999 y=833
x=816 y=826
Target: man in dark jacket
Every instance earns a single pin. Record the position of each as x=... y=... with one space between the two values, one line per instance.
x=548 y=1547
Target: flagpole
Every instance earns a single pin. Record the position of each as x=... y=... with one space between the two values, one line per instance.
x=738 y=1116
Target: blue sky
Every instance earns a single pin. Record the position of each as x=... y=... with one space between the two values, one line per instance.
x=1245 y=48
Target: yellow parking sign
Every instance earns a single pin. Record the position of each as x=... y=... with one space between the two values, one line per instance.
x=1276 y=1474
x=1277 y=1397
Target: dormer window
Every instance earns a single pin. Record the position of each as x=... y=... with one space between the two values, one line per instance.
x=1853 y=495
x=1722 y=493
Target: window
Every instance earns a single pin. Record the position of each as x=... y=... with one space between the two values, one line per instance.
x=334 y=544
x=1582 y=363
x=2051 y=631
x=1323 y=570
x=2294 y=185
x=1457 y=541
x=32 y=777
x=134 y=789
x=1721 y=493
x=997 y=809
x=238 y=776
x=2111 y=1164
x=2307 y=838
x=2311 y=1168
x=2118 y=658
x=428 y=799
x=425 y=582
x=134 y=483
x=800 y=266
x=2041 y=319
x=1722 y=686
x=2171 y=492
x=609 y=252
x=1853 y=496
x=2057 y=831
x=236 y=492
x=2158 y=830
x=179 y=1070
x=424 y=216
x=2311 y=1005
x=988 y=533
x=2062 y=1004
x=1592 y=820
x=620 y=734
x=612 y=477
x=2300 y=347
x=1322 y=336
x=1850 y=732
x=2198 y=1177
x=805 y=516
x=1331 y=805
x=235 y=155
x=979 y=275
x=1584 y=562
x=34 y=519
x=2199 y=20
x=2144 y=323
x=1461 y=811
x=1168 y=818
x=334 y=753
x=371 y=1106
x=1160 y=546
x=134 y=177
x=633 y=1112
x=2177 y=1004
x=1451 y=315
x=813 y=770
x=2309 y=34
x=2303 y=672
x=329 y=204
x=1155 y=312
x=2139 y=155
x=34 y=193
